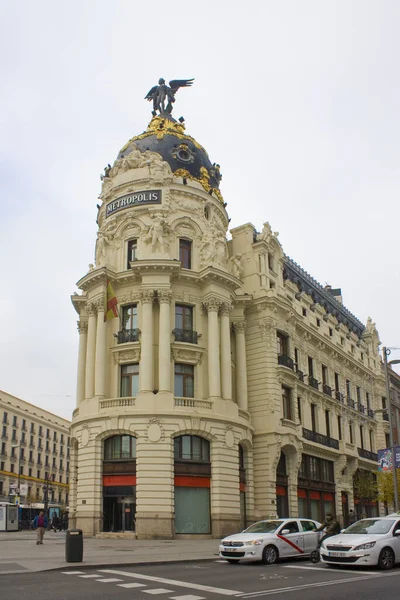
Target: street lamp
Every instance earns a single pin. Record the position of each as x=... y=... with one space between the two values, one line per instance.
x=46 y=489
x=386 y=353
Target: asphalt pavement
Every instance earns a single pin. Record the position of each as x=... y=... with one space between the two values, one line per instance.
x=205 y=580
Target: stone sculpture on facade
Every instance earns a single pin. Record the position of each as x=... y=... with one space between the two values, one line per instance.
x=236 y=265
x=160 y=93
x=157 y=233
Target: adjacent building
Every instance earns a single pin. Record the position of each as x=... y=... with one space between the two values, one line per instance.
x=218 y=382
x=34 y=454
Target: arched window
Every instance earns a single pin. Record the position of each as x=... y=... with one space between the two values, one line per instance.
x=191 y=448
x=120 y=447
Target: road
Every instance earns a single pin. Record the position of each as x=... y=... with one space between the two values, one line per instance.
x=210 y=580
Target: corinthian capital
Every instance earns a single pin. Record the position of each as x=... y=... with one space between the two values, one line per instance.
x=91 y=309
x=226 y=308
x=146 y=296
x=212 y=304
x=164 y=296
x=82 y=326
x=239 y=326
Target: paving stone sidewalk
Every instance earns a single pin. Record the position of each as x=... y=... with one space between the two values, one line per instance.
x=19 y=552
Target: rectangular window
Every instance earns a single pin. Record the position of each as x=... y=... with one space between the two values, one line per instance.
x=3 y=448
x=371 y=440
x=287 y=403
x=132 y=253
x=368 y=400
x=14 y=421
x=29 y=472
x=282 y=341
x=21 y=470
x=339 y=423
x=40 y=443
x=47 y=446
x=310 y=366
x=23 y=424
x=387 y=440
x=54 y=463
x=184 y=381
x=297 y=358
x=5 y=418
x=185 y=253
x=14 y=435
x=4 y=434
x=40 y=430
x=129 y=380
x=184 y=317
x=337 y=382
x=54 y=448
x=351 y=432
x=13 y=451
x=32 y=428
x=55 y=436
x=328 y=423
x=39 y=458
x=314 y=417
x=362 y=436
x=23 y=437
x=62 y=438
x=299 y=410
x=30 y=455
x=348 y=388
x=48 y=434
x=129 y=317
x=331 y=331
x=12 y=468
x=325 y=380
x=358 y=393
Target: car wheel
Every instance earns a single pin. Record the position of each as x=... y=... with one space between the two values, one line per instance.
x=231 y=561
x=386 y=559
x=270 y=555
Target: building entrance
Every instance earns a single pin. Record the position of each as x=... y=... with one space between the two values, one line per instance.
x=119 y=513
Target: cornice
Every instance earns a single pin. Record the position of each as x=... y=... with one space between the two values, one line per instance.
x=79 y=302
x=161 y=266
x=94 y=278
x=211 y=274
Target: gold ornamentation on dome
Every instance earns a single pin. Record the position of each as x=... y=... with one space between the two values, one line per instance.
x=160 y=127
x=203 y=180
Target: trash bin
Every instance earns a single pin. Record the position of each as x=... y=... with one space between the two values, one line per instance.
x=74 y=545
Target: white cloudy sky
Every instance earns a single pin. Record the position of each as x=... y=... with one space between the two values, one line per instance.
x=298 y=101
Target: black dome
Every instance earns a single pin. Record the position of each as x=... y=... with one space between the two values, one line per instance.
x=184 y=155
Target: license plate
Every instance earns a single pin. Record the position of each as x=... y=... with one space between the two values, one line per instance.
x=230 y=549
x=337 y=553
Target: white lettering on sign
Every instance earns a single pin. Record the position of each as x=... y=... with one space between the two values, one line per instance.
x=137 y=199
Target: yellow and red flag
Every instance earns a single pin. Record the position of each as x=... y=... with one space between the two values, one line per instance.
x=111 y=303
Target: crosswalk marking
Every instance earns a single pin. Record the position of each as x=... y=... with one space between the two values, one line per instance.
x=187 y=597
x=88 y=576
x=109 y=580
x=324 y=568
x=173 y=582
x=73 y=572
x=158 y=591
x=131 y=585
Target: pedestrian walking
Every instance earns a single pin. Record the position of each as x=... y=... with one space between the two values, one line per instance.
x=40 y=523
x=352 y=517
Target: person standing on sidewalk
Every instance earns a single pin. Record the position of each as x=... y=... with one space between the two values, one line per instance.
x=40 y=523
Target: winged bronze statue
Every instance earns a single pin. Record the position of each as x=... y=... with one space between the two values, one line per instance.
x=161 y=93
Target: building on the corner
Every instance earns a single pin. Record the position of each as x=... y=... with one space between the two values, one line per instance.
x=218 y=382
x=34 y=454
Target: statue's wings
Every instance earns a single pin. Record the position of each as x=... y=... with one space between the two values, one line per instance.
x=150 y=94
x=175 y=84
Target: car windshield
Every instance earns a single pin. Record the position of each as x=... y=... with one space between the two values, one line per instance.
x=263 y=527
x=370 y=526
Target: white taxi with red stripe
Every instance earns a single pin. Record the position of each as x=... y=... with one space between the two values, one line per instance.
x=267 y=541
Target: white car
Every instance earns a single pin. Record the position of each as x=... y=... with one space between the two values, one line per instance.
x=270 y=540
x=369 y=542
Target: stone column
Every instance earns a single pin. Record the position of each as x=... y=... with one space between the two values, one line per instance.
x=164 y=343
x=90 y=350
x=146 y=355
x=263 y=270
x=226 y=371
x=80 y=385
x=241 y=368
x=101 y=352
x=214 y=378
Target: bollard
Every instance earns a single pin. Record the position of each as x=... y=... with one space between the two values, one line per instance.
x=74 y=545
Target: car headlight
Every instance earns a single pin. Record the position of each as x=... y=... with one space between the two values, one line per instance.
x=366 y=546
x=255 y=542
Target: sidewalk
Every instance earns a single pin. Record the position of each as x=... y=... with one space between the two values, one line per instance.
x=19 y=552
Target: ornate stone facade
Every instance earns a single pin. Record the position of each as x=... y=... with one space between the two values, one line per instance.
x=226 y=342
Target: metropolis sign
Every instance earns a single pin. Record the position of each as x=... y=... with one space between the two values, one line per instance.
x=136 y=199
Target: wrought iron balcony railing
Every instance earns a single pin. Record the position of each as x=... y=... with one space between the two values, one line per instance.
x=128 y=335
x=300 y=375
x=313 y=382
x=286 y=361
x=385 y=416
x=319 y=438
x=350 y=402
x=367 y=454
x=360 y=407
x=370 y=412
x=185 y=335
x=339 y=396
x=327 y=389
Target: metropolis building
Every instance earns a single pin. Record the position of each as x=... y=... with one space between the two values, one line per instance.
x=218 y=382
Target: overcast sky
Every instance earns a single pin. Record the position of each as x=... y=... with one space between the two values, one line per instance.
x=298 y=101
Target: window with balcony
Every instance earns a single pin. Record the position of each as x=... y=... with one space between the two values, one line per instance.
x=361 y=437
x=351 y=433
x=371 y=440
x=40 y=430
x=23 y=441
x=3 y=449
x=32 y=428
x=131 y=253
x=185 y=253
x=5 y=415
x=29 y=472
x=55 y=436
x=15 y=421
x=129 y=380
x=299 y=410
x=4 y=432
x=61 y=438
x=23 y=427
x=39 y=458
x=48 y=434
x=282 y=342
x=14 y=435
x=339 y=423
x=129 y=324
x=54 y=448
x=12 y=468
x=328 y=423
x=313 y=417
x=184 y=324
x=287 y=403
x=184 y=381
x=30 y=455
x=13 y=453
x=54 y=463
x=47 y=447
